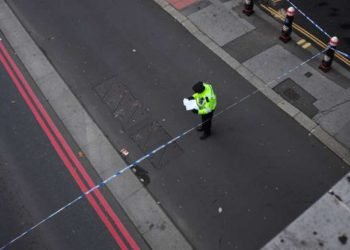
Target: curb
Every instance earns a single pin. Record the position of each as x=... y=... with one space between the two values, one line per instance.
x=148 y=217
x=254 y=80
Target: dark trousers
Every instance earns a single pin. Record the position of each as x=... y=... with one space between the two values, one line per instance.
x=206 y=122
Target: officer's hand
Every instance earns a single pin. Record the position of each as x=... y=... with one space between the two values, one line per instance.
x=195 y=111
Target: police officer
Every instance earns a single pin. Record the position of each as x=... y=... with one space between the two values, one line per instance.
x=206 y=101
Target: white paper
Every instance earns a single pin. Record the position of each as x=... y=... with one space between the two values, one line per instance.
x=190 y=104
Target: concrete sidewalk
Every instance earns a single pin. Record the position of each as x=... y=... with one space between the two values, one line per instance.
x=318 y=101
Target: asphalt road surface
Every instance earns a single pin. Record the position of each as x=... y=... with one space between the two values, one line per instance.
x=260 y=167
x=34 y=183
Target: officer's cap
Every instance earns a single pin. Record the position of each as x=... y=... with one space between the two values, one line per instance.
x=198 y=87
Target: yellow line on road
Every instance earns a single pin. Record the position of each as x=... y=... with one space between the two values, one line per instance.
x=306 y=33
x=301 y=41
x=306 y=45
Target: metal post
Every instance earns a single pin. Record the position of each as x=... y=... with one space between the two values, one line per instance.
x=329 y=55
x=287 y=25
x=248 y=7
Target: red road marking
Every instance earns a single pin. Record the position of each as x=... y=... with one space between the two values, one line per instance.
x=181 y=4
x=68 y=151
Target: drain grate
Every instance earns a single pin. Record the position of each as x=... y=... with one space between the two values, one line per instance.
x=297 y=96
x=291 y=94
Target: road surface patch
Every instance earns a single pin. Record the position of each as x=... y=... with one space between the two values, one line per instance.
x=219 y=24
x=181 y=4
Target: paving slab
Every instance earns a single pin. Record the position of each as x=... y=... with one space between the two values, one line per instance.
x=219 y=24
x=336 y=117
x=341 y=190
x=343 y=134
x=272 y=63
x=305 y=121
x=323 y=226
x=331 y=100
x=275 y=61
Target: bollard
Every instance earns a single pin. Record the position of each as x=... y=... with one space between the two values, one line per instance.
x=248 y=7
x=287 y=25
x=329 y=55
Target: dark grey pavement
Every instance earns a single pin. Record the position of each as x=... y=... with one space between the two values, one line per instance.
x=130 y=64
x=34 y=183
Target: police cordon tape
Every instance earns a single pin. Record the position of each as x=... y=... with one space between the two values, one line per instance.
x=342 y=56
x=317 y=26
x=343 y=53
x=269 y=83
x=308 y=18
x=151 y=153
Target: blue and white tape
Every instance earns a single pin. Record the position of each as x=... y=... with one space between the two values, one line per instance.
x=342 y=53
x=317 y=26
x=151 y=153
x=118 y=173
x=270 y=83
x=308 y=18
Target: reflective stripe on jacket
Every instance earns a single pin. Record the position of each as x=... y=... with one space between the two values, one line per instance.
x=206 y=100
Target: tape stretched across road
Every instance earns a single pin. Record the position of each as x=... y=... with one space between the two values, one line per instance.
x=309 y=19
x=120 y=172
x=317 y=26
x=342 y=56
x=343 y=53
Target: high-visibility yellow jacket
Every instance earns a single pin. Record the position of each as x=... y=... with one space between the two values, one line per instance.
x=206 y=100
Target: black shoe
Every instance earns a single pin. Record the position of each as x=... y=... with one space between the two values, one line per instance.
x=200 y=129
x=204 y=136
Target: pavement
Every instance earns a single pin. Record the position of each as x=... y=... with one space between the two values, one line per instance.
x=274 y=152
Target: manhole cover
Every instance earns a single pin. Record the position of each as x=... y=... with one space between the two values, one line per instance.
x=297 y=96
